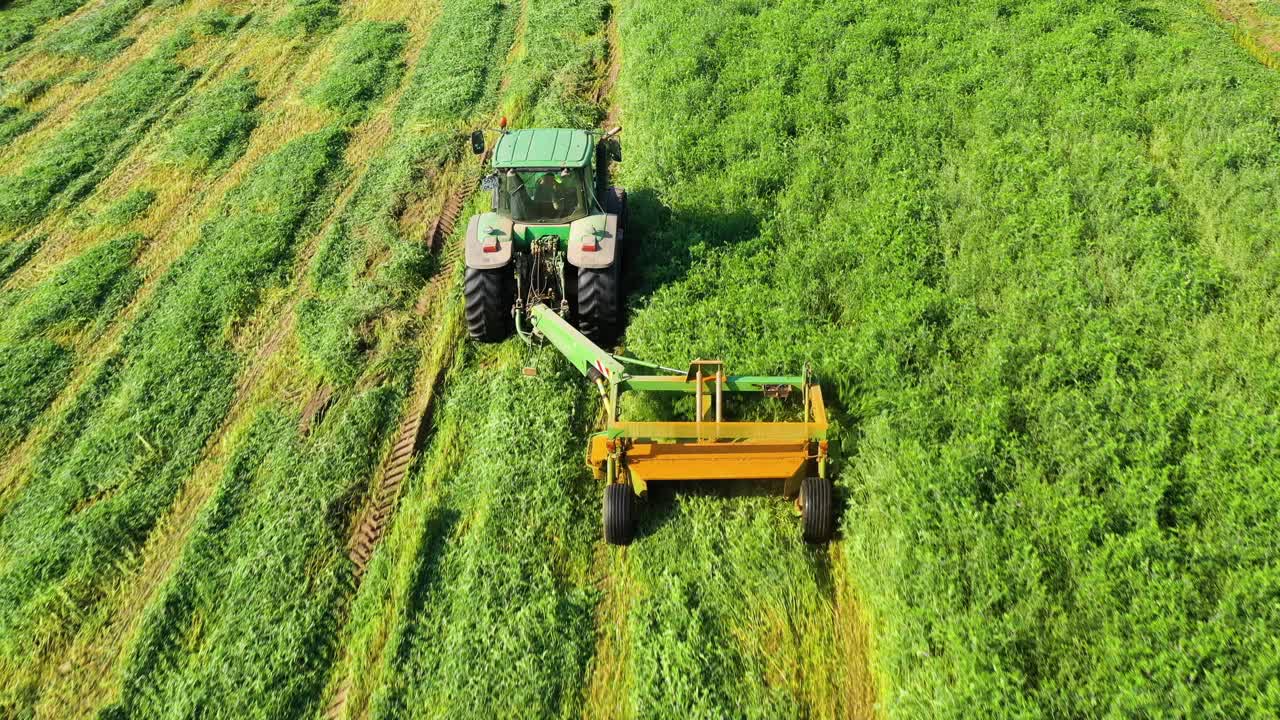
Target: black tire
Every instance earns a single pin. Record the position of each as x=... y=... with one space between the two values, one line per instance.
x=489 y=295
x=615 y=203
x=619 y=513
x=600 y=304
x=600 y=298
x=817 y=513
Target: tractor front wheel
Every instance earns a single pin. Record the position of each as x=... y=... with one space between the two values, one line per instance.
x=489 y=295
x=817 y=513
x=619 y=513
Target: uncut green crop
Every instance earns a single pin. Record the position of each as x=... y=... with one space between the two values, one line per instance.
x=71 y=164
x=1028 y=248
x=113 y=466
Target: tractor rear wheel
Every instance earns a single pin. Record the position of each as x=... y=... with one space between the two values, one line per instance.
x=489 y=296
x=599 y=303
x=600 y=298
x=817 y=513
x=619 y=513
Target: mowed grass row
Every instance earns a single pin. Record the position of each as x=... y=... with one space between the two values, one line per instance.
x=499 y=603
x=480 y=601
x=95 y=35
x=23 y=18
x=67 y=167
x=113 y=465
x=1028 y=248
x=42 y=324
x=247 y=621
x=16 y=120
x=46 y=357
x=267 y=637
x=116 y=618
x=213 y=131
x=371 y=264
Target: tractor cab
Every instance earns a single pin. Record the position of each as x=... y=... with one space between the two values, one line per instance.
x=553 y=236
x=541 y=196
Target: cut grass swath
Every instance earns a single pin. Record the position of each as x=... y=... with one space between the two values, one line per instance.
x=214 y=131
x=988 y=226
x=35 y=359
x=112 y=467
x=73 y=162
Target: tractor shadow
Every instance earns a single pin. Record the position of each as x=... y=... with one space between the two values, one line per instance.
x=659 y=252
x=659 y=241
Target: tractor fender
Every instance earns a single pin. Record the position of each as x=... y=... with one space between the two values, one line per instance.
x=489 y=241
x=594 y=241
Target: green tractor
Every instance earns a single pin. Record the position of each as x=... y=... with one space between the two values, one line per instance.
x=546 y=263
x=553 y=237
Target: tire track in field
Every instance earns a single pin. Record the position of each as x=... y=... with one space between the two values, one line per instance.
x=605 y=686
x=377 y=514
x=856 y=690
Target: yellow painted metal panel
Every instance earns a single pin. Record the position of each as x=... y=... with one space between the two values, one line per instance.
x=652 y=462
x=711 y=430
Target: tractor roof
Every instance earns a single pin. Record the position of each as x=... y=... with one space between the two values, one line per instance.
x=542 y=148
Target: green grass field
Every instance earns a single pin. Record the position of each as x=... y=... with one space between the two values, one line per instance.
x=1027 y=246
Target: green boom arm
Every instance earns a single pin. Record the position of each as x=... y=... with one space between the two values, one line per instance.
x=590 y=359
x=597 y=364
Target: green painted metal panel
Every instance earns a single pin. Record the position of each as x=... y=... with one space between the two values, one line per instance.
x=526 y=234
x=732 y=383
x=543 y=148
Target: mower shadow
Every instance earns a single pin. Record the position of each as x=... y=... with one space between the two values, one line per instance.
x=660 y=504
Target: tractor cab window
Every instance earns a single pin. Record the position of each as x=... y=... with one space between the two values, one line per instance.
x=542 y=196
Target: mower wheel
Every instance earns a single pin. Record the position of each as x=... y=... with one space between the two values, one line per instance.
x=619 y=513
x=489 y=297
x=816 y=509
